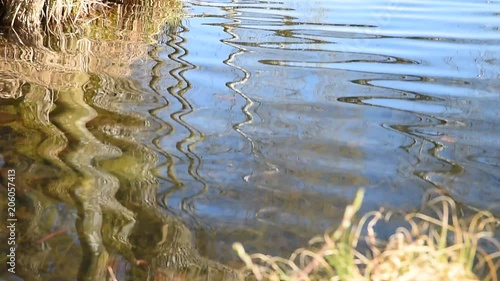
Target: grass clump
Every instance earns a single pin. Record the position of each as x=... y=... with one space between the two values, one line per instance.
x=437 y=246
x=36 y=15
x=30 y=14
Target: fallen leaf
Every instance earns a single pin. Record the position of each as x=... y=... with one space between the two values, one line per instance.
x=448 y=139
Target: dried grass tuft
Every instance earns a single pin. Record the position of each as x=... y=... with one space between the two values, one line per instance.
x=440 y=246
x=30 y=15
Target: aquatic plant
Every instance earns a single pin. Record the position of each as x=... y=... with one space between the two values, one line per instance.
x=438 y=246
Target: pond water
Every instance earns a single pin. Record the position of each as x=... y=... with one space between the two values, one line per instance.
x=257 y=121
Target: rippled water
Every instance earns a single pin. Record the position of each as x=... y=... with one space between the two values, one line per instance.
x=259 y=120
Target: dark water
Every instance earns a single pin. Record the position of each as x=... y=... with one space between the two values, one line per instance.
x=252 y=121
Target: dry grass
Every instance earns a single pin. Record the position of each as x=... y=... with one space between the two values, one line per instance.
x=439 y=246
x=31 y=14
x=110 y=46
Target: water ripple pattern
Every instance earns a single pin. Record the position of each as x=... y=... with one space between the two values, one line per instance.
x=253 y=121
x=302 y=102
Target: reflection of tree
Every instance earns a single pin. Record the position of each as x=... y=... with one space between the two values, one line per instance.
x=62 y=151
x=234 y=85
x=74 y=148
x=189 y=140
x=161 y=240
x=138 y=193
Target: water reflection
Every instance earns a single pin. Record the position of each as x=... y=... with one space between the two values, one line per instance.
x=79 y=133
x=259 y=189
x=183 y=137
x=252 y=121
x=334 y=96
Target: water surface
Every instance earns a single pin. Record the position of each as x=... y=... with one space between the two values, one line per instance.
x=257 y=121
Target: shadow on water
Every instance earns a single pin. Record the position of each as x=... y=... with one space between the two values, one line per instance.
x=80 y=134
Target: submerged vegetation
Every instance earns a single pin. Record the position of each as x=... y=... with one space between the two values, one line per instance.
x=438 y=246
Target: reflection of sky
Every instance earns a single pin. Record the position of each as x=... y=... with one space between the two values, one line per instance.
x=345 y=95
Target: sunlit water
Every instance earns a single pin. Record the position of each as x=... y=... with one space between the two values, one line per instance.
x=261 y=119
